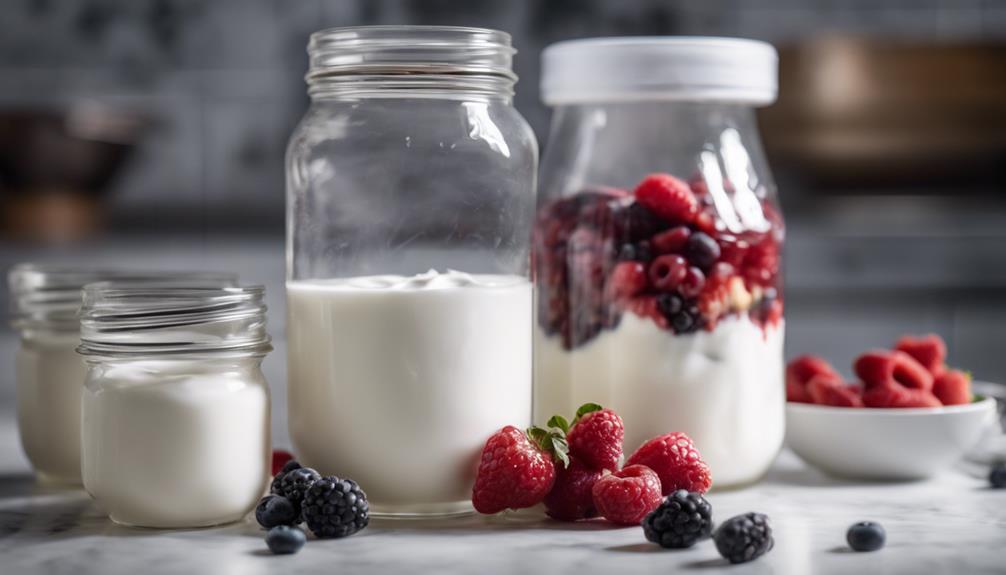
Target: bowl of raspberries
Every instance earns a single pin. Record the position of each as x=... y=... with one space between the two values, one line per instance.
x=906 y=415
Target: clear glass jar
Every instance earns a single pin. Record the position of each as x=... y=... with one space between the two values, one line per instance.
x=657 y=246
x=175 y=409
x=410 y=197
x=45 y=300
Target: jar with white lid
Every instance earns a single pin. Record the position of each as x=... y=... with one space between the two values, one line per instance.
x=410 y=197
x=175 y=416
x=44 y=303
x=657 y=245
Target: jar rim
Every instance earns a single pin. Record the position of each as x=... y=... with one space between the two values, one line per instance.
x=172 y=317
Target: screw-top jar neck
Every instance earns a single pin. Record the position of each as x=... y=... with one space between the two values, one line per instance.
x=122 y=319
x=404 y=61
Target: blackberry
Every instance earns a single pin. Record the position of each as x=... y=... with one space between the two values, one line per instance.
x=276 y=487
x=866 y=536
x=744 y=538
x=997 y=476
x=682 y=520
x=296 y=482
x=276 y=510
x=335 y=507
x=284 y=540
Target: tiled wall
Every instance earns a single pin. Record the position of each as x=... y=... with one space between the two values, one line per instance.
x=223 y=78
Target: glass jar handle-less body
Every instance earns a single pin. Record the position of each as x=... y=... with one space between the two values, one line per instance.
x=657 y=246
x=410 y=184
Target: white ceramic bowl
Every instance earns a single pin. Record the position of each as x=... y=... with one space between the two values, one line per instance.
x=885 y=444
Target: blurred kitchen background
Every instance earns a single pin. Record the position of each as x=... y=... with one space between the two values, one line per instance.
x=151 y=133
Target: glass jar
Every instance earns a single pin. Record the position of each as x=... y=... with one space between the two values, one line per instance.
x=45 y=300
x=410 y=197
x=175 y=409
x=657 y=246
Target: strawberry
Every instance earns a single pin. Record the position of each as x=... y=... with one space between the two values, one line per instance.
x=626 y=280
x=279 y=459
x=627 y=496
x=953 y=387
x=667 y=197
x=676 y=461
x=800 y=371
x=898 y=396
x=595 y=437
x=824 y=390
x=516 y=469
x=929 y=350
x=571 y=498
x=882 y=368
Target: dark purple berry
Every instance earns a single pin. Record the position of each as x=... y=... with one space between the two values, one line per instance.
x=702 y=250
x=669 y=304
x=866 y=536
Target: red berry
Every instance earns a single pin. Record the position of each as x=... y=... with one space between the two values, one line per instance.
x=667 y=197
x=800 y=371
x=668 y=271
x=899 y=396
x=647 y=306
x=571 y=497
x=676 y=461
x=691 y=285
x=883 y=368
x=279 y=459
x=953 y=387
x=626 y=280
x=705 y=222
x=929 y=350
x=671 y=241
x=627 y=496
x=596 y=439
x=824 y=390
x=513 y=473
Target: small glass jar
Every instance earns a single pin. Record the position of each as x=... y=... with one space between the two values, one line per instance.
x=657 y=246
x=45 y=300
x=175 y=416
x=410 y=197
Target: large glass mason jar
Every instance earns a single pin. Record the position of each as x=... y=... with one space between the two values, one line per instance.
x=657 y=246
x=410 y=198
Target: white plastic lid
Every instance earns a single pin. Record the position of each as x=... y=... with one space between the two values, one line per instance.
x=659 y=68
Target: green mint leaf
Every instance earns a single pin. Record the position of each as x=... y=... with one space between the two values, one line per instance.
x=560 y=422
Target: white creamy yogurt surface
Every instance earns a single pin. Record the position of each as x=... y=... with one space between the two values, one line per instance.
x=723 y=388
x=176 y=443
x=397 y=382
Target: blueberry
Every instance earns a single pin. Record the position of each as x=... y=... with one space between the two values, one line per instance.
x=866 y=536
x=702 y=250
x=682 y=322
x=626 y=252
x=276 y=510
x=669 y=304
x=284 y=540
x=997 y=476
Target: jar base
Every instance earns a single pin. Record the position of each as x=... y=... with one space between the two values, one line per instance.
x=60 y=481
x=422 y=511
x=195 y=525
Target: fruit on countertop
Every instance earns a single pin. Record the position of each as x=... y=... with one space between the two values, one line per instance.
x=800 y=371
x=335 y=507
x=627 y=496
x=275 y=510
x=285 y=540
x=929 y=350
x=953 y=387
x=595 y=437
x=294 y=483
x=997 y=476
x=516 y=469
x=866 y=536
x=676 y=462
x=744 y=538
x=571 y=497
x=682 y=520
x=824 y=390
x=883 y=368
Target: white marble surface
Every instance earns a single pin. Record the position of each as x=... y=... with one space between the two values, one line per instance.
x=953 y=523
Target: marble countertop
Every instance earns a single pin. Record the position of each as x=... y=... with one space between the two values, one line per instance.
x=952 y=523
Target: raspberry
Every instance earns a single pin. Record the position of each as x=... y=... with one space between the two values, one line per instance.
x=705 y=222
x=824 y=390
x=596 y=437
x=953 y=387
x=667 y=197
x=744 y=538
x=693 y=282
x=676 y=461
x=880 y=368
x=668 y=271
x=627 y=496
x=571 y=498
x=648 y=306
x=682 y=520
x=928 y=350
x=514 y=471
x=800 y=371
x=626 y=280
x=279 y=459
x=671 y=241
x=899 y=396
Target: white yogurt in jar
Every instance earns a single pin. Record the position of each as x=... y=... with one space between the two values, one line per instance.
x=176 y=443
x=397 y=382
x=50 y=377
x=723 y=388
